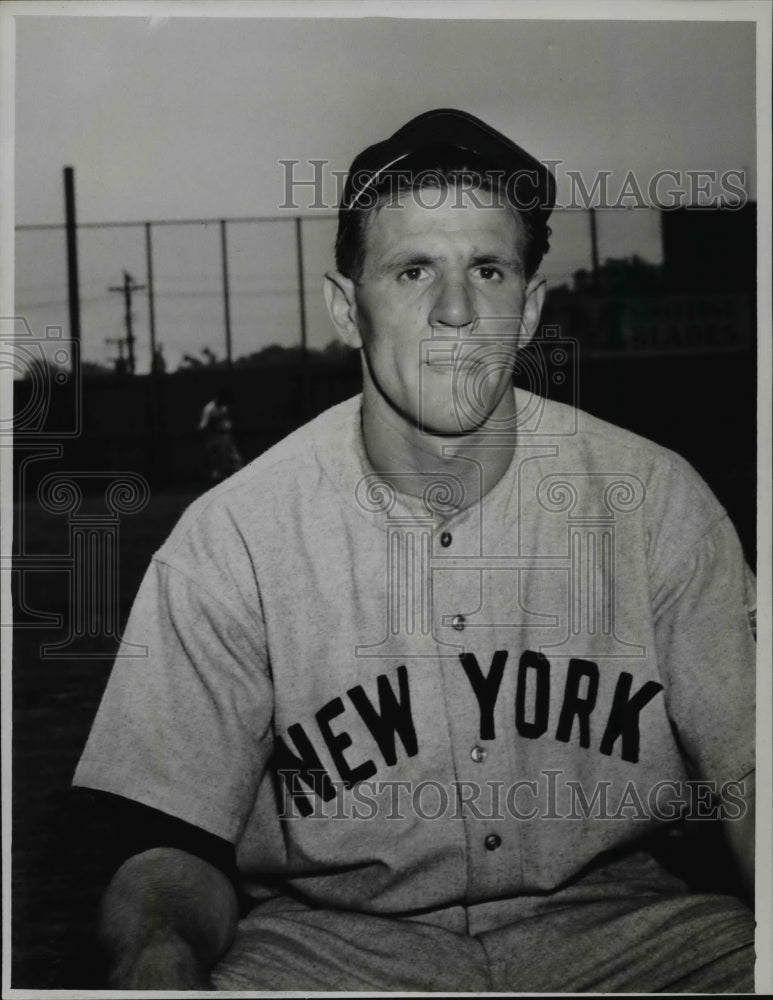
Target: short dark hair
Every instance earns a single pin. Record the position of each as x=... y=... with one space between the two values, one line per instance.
x=435 y=168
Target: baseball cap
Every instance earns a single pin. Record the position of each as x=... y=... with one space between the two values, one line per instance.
x=529 y=184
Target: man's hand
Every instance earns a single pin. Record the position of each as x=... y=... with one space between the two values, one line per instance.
x=165 y=964
x=166 y=918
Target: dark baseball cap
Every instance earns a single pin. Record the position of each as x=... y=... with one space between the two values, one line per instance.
x=529 y=185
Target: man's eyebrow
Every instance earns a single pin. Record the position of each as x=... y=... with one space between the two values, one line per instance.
x=405 y=259
x=504 y=261
x=409 y=258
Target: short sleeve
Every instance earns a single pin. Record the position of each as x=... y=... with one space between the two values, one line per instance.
x=704 y=612
x=184 y=724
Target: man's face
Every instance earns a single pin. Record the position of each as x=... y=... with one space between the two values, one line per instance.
x=442 y=308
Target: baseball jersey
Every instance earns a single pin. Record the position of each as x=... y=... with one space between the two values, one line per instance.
x=393 y=703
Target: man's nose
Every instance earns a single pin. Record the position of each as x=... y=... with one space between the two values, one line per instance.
x=453 y=305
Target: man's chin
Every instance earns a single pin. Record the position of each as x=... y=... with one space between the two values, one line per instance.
x=451 y=427
x=462 y=420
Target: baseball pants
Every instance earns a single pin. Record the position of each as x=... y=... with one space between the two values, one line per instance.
x=604 y=934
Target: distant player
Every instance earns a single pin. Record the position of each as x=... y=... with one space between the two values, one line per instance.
x=428 y=683
x=217 y=429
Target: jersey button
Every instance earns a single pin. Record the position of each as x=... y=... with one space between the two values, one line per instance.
x=492 y=842
x=478 y=754
x=446 y=539
x=458 y=622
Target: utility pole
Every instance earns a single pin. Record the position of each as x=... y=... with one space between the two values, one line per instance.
x=128 y=288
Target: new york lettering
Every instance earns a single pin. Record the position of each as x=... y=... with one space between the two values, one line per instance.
x=388 y=716
x=392 y=718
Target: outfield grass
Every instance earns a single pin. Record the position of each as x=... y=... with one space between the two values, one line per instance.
x=59 y=863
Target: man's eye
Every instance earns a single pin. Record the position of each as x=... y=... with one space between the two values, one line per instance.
x=412 y=274
x=489 y=273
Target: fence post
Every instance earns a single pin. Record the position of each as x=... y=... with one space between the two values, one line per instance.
x=157 y=440
x=151 y=301
x=73 y=283
x=226 y=293
x=72 y=255
x=302 y=311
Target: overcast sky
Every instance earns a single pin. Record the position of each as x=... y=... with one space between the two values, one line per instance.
x=182 y=118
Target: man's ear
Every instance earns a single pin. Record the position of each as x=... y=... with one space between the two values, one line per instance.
x=532 y=310
x=341 y=304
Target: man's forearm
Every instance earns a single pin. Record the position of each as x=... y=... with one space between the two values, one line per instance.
x=740 y=836
x=165 y=919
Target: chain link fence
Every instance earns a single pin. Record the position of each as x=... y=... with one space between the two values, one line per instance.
x=218 y=290
x=670 y=304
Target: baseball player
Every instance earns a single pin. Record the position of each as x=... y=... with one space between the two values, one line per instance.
x=427 y=683
x=217 y=429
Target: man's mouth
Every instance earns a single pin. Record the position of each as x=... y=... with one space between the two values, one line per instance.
x=461 y=357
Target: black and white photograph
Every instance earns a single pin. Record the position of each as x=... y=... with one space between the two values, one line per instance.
x=385 y=439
